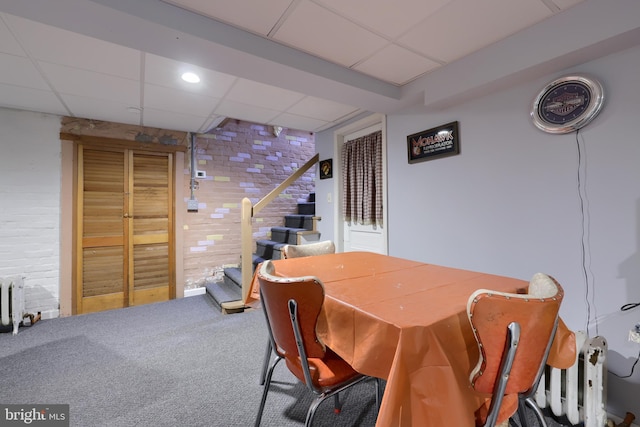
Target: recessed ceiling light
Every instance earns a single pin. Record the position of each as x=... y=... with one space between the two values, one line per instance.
x=190 y=77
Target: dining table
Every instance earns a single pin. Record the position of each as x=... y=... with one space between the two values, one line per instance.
x=405 y=321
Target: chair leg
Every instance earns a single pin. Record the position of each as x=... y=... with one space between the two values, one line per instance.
x=312 y=410
x=337 y=406
x=265 y=363
x=378 y=393
x=522 y=415
x=529 y=401
x=322 y=397
x=265 y=391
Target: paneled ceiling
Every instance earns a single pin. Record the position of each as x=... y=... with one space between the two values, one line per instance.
x=303 y=64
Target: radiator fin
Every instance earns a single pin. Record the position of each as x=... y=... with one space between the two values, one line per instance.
x=12 y=302
x=579 y=392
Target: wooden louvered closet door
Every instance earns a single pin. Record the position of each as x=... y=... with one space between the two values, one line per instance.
x=125 y=223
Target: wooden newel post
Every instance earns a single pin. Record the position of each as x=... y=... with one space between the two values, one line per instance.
x=247 y=246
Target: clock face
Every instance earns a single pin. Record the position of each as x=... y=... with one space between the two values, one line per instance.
x=567 y=104
x=564 y=103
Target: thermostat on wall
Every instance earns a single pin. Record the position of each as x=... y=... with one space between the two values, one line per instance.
x=201 y=174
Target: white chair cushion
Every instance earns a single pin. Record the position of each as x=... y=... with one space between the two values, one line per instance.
x=542 y=286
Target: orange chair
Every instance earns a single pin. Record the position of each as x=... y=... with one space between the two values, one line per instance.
x=514 y=333
x=291 y=306
x=298 y=251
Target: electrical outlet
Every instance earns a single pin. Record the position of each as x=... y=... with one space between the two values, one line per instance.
x=192 y=205
x=634 y=335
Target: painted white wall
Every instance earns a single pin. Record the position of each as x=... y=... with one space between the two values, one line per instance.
x=509 y=204
x=30 y=205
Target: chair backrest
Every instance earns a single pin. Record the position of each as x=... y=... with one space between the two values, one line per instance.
x=310 y=249
x=276 y=292
x=536 y=312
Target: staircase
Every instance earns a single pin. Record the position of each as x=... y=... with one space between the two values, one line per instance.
x=298 y=229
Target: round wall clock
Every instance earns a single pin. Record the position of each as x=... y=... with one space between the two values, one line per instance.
x=567 y=104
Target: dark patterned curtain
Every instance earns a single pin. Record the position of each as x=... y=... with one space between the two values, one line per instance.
x=362 y=179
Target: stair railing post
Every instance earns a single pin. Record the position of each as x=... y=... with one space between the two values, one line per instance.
x=247 y=212
x=247 y=246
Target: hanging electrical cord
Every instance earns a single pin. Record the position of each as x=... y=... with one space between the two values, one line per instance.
x=584 y=237
x=629 y=306
x=625 y=307
x=632 y=368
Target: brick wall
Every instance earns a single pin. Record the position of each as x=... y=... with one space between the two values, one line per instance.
x=30 y=206
x=240 y=160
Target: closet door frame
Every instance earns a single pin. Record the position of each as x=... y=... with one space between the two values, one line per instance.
x=69 y=268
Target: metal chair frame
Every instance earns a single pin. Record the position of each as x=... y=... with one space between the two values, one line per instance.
x=325 y=247
x=524 y=399
x=513 y=342
x=321 y=393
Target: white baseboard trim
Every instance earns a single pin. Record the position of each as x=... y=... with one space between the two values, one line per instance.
x=49 y=314
x=194 y=291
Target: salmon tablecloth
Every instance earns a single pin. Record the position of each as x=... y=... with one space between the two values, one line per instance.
x=406 y=322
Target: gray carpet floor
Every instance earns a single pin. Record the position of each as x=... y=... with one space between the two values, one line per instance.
x=179 y=363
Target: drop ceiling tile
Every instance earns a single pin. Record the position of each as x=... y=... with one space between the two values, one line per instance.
x=566 y=4
x=20 y=71
x=29 y=99
x=321 y=109
x=246 y=112
x=211 y=123
x=167 y=72
x=293 y=121
x=396 y=64
x=321 y=32
x=173 y=121
x=257 y=16
x=482 y=26
x=350 y=116
x=63 y=47
x=390 y=18
x=8 y=43
x=89 y=84
x=355 y=33
x=173 y=100
x=100 y=109
x=262 y=95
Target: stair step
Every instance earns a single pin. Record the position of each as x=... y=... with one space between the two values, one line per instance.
x=307 y=208
x=257 y=260
x=268 y=249
x=309 y=237
x=299 y=221
x=233 y=276
x=288 y=235
x=224 y=291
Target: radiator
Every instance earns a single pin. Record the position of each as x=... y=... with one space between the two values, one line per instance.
x=12 y=302
x=580 y=392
